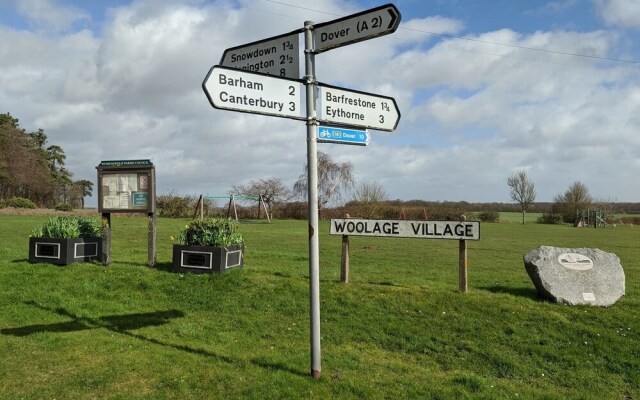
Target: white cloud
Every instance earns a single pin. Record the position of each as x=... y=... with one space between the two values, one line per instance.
x=51 y=15
x=624 y=13
x=472 y=111
x=426 y=28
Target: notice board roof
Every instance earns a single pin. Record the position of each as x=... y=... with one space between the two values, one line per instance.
x=125 y=164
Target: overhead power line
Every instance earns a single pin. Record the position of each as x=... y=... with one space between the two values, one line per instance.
x=450 y=36
x=564 y=53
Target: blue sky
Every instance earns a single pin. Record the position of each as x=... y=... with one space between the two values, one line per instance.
x=485 y=88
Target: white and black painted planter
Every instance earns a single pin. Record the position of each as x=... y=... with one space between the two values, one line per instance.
x=207 y=259
x=64 y=251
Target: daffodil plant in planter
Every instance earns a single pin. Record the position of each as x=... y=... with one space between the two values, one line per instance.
x=211 y=245
x=65 y=240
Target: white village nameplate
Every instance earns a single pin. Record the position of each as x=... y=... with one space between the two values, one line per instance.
x=460 y=230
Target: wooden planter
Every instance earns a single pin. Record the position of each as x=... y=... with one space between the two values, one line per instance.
x=207 y=259
x=64 y=251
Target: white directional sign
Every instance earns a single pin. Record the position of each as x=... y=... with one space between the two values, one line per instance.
x=357 y=27
x=460 y=230
x=278 y=56
x=359 y=109
x=237 y=90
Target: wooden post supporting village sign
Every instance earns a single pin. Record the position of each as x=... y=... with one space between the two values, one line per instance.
x=453 y=230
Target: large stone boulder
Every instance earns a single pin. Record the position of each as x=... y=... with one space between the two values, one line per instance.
x=576 y=276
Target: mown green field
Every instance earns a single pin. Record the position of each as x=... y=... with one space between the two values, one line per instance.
x=399 y=329
x=516 y=217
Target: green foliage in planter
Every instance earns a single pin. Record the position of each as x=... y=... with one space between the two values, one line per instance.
x=211 y=232
x=68 y=227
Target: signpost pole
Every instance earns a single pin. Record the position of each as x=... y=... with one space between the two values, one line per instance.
x=462 y=264
x=312 y=198
x=344 y=260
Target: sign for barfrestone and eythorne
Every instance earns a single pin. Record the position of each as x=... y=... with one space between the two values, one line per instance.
x=354 y=108
x=454 y=230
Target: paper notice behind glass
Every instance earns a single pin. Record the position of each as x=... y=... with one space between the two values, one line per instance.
x=125 y=200
x=110 y=202
x=128 y=183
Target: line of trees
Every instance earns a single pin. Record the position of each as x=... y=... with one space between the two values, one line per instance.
x=369 y=199
x=31 y=169
x=567 y=206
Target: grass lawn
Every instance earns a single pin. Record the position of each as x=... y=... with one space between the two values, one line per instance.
x=516 y=217
x=399 y=329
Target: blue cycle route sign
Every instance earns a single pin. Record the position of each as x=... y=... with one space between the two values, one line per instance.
x=331 y=134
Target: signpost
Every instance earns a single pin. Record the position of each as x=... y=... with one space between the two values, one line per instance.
x=357 y=27
x=278 y=55
x=240 y=84
x=330 y=134
x=355 y=108
x=232 y=89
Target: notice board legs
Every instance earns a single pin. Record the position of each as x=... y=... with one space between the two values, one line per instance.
x=106 y=238
x=152 y=239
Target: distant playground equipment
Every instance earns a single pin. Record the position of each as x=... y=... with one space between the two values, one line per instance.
x=262 y=205
x=592 y=218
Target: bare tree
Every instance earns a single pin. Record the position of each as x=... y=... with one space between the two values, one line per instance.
x=333 y=179
x=369 y=195
x=369 y=191
x=608 y=206
x=522 y=190
x=573 y=201
x=272 y=190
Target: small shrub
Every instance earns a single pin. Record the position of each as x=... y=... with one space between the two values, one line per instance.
x=294 y=210
x=445 y=214
x=489 y=216
x=630 y=220
x=211 y=232
x=549 y=218
x=67 y=228
x=20 y=202
x=3 y=203
x=64 y=207
x=173 y=206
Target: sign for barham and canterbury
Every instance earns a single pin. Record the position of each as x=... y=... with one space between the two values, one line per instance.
x=456 y=230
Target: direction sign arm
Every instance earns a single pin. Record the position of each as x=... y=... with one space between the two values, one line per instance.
x=357 y=27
